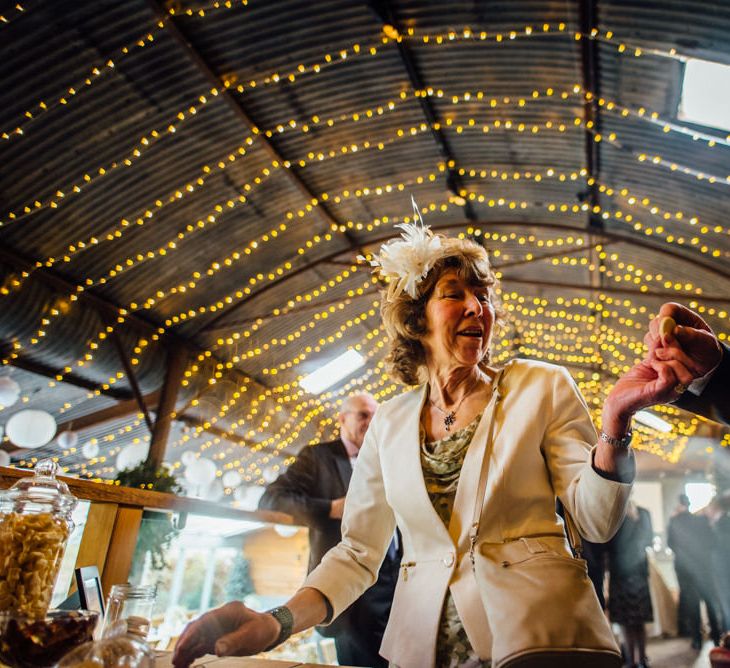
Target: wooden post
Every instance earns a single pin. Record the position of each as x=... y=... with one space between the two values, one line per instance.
x=176 y=362
x=121 y=547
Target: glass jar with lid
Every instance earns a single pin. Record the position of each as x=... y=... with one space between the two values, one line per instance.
x=35 y=523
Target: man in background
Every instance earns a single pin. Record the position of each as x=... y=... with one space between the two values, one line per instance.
x=313 y=491
x=692 y=541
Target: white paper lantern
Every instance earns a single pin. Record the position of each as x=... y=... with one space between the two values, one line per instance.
x=248 y=497
x=201 y=472
x=232 y=479
x=68 y=439
x=9 y=391
x=188 y=457
x=269 y=475
x=31 y=428
x=214 y=492
x=285 y=530
x=4 y=458
x=90 y=450
x=132 y=455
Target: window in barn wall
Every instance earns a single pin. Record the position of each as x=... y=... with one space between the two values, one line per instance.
x=705 y=94
x=210 y=561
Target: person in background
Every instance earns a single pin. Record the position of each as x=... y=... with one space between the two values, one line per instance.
x=691 y=539
x=313 y=491
x=721 y=554
x=629 y=600
x=700 y=361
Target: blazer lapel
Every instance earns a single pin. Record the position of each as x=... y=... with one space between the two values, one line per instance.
x=406 y=447
x=344 y=468
x=466 y=488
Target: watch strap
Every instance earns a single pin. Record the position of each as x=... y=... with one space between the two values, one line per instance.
x=283 y=615
x=623 y=442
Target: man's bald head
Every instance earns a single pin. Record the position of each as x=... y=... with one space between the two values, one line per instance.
x=354 y=419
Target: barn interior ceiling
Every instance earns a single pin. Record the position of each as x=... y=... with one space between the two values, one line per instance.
x=185 y=188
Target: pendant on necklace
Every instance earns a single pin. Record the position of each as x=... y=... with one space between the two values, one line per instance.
x=449 y=420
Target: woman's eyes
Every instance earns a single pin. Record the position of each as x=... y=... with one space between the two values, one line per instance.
x=484 y=297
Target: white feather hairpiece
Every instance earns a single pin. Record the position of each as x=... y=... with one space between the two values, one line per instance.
x=407 y=261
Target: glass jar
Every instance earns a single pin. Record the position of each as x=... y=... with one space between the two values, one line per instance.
x=35 y=523
x=131 y=605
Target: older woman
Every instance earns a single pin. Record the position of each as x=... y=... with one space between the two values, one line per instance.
x=502 y=443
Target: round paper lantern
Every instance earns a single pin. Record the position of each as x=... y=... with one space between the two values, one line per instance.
x=214 y=492
x=248 y=497
x=201 y=472
x=132 y=455
x=4 y=458
x=188 y=457
x=232 y=479
x=285 y=530
x=31 y=428
x=9 y=391
x=90 y=450
x=269 y=475
x=68 y=439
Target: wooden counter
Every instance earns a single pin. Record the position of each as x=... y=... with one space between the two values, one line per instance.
x=164 y=661
x=115 y=515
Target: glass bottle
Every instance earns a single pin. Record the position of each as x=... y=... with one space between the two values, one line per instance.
x=35 y=523
x=132 y=605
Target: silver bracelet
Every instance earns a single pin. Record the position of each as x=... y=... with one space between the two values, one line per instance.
x=623 y=442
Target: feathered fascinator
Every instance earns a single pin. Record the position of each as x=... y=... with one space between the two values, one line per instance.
x=407 y=261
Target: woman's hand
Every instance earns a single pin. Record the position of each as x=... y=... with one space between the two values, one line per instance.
x=650 y=382
x=231 y=630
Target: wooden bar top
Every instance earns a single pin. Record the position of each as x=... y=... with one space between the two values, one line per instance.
x=164 y=660
x=108 y=492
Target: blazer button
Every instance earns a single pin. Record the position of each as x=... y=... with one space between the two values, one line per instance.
x=449 y=560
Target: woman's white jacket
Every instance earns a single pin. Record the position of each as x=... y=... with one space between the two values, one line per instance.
x=542 y=448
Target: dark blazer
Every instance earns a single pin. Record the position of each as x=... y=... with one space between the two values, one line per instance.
x=320 y=474
x=714 y=402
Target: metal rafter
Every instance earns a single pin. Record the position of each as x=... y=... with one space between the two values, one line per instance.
x=384 y=11
x=234 y=103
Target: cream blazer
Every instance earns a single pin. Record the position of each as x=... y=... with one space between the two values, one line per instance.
x=542 y=448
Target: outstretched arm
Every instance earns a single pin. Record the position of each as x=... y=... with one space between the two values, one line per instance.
x=235 y=630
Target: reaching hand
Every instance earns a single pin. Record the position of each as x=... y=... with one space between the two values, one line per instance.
x=231 y=630
x=691 y=347
x=649 y=382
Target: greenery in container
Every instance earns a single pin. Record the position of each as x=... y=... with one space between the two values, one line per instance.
x=156 y=530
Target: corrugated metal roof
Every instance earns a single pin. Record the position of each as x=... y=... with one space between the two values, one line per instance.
x=321 y=107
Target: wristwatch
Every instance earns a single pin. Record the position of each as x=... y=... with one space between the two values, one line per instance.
x=623 y=442
x=283 y=615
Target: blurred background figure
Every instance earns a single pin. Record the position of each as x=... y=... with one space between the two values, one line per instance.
x=692 y=540
x=629 y=599
x=721 y=554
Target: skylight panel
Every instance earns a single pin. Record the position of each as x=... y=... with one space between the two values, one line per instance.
x=706 y=94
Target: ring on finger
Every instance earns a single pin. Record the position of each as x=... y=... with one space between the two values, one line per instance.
x=680 y=388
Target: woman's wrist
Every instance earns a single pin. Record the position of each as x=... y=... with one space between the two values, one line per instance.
x=614 y=423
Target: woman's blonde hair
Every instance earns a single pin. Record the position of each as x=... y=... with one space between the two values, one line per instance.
x=405 y=318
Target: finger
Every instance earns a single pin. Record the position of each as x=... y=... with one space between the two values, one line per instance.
x=682 y=374
x=682 y=315
x=699 y=343
x=250 y=638
x=675 y=353
x=651 y=341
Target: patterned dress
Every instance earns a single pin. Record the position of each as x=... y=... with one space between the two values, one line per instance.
x=441 y=463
